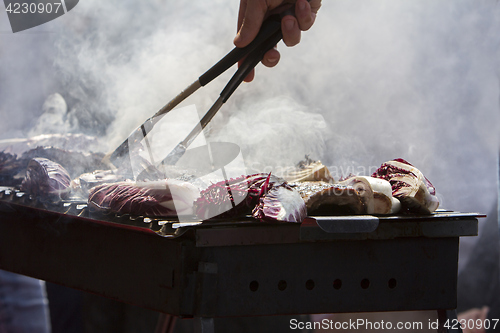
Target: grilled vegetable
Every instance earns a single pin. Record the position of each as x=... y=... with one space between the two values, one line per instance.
x=410 y=186
x=281 y=203
x=265 y=196
x=46 y=179
x=168 y=197
x=232 y=198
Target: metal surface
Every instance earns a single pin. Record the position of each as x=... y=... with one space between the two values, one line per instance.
x=324 y=277
x=204 y=325
x=440 y=224
x=347 y=224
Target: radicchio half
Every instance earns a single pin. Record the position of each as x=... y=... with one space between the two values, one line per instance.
x=281 y=203
x=263 y=195
x=409 y=185
x=46 y=179
x=167 y=197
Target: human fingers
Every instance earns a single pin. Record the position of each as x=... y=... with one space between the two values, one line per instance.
x=271 y=58
x=250 y=76
x=250 y=17
x=305 y=13
x=291 y=30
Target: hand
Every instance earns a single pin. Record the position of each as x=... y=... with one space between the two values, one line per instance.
x=253 y=12
x=474 y=314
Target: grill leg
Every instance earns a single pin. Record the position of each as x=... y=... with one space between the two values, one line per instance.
x=203 y=325
x=448 y=317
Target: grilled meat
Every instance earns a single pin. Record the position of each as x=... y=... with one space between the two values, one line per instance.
x=12 y=170
x=308 y=170
x=73 y=142
x=83 y=183
x=75 y=162
x=322 y=198
x=73 y=151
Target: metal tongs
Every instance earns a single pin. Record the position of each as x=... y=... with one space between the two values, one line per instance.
x=269 y=35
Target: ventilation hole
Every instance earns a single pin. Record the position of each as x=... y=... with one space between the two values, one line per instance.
x=337 y=284
x=282 y=285
x=254 y=285
x=309 y=284
x=365 y=283
x=392 y=283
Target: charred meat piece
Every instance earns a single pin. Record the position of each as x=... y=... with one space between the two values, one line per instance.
x=17 y=153
x=167 y=197
x=281 y=203
x=410 y=186
x=68 y=141
x=322 y=198
x=375 y=193
x=46 y=179
x=10 y=167
x=82 y=184
x=75 y=162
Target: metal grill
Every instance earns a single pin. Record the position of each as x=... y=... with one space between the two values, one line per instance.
x=239 y=268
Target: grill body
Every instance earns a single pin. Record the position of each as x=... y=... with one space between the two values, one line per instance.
x=242 y=268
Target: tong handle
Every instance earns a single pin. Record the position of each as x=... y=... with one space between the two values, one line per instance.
x=270 y=26
x=254 y=55
x=249 y=63
x=246 y=67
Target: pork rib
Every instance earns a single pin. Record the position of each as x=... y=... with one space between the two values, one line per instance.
x=330 y=199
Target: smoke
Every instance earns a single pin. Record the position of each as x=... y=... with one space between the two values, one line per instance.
x=371 y=81
x=274 y=133
x=141 y=55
